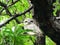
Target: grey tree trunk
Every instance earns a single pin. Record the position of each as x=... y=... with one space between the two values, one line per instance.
x=42 y=13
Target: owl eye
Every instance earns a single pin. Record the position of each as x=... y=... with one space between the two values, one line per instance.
x=25 y=21
x=31 y=21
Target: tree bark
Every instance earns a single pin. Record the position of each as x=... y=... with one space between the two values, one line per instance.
x=42 y=13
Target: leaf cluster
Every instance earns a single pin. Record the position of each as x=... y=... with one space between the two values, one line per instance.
x=16 y=37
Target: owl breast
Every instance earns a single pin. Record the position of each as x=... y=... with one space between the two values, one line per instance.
x=34 y=28
x=30 y=27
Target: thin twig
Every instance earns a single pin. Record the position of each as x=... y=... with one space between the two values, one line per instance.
x=6 y=8
x=9 y=5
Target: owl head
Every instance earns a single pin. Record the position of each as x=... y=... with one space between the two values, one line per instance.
x=28 y=21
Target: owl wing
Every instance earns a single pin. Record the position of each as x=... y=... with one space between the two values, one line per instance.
x=38 y=30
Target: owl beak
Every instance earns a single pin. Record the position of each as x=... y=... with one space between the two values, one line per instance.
x=29 y=23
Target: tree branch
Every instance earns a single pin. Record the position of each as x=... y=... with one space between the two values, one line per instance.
x=13 y=3
x=15 y=16
x=6 y=8
x=9 y=5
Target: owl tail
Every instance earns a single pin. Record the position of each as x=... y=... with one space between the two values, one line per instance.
x=40 y=40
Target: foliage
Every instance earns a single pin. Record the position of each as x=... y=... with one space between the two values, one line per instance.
x=57 y=7
x=49 y=41
x=16 y=37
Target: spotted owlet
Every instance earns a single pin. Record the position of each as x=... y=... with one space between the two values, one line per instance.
x=31 y=24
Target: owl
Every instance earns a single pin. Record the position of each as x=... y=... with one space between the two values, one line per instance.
x=31 y=24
